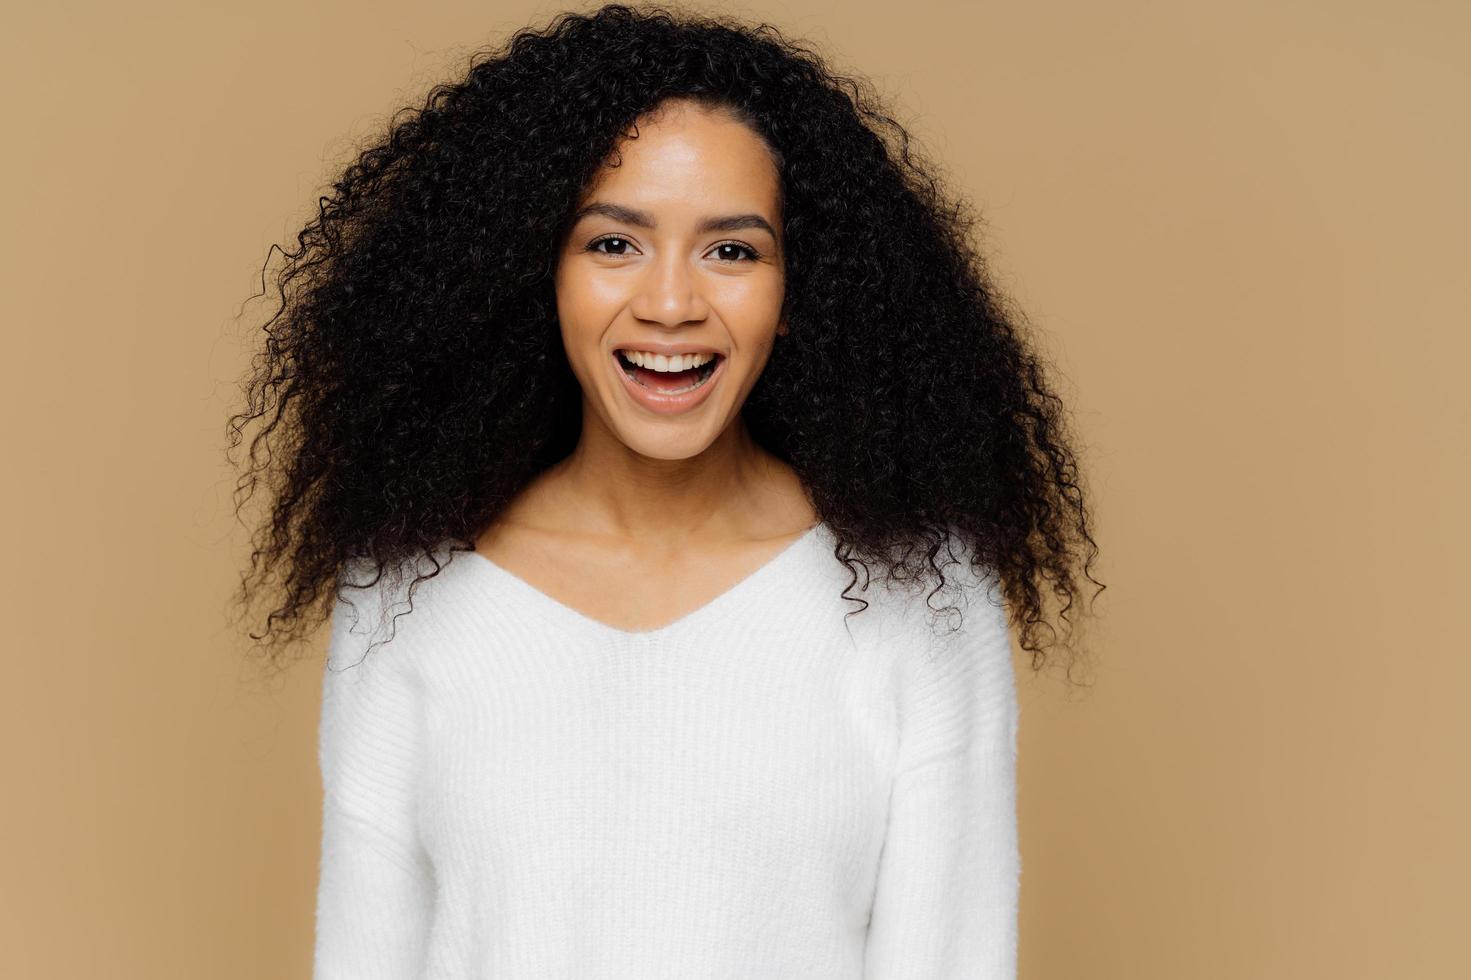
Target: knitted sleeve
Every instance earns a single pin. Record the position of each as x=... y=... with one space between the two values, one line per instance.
x=375 y=885
x=945 y=905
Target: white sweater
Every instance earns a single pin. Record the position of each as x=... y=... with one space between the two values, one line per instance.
x=513 y=790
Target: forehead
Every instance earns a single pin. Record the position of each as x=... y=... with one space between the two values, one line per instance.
x=686 y=155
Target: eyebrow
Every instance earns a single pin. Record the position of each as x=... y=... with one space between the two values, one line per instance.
x=642 y=219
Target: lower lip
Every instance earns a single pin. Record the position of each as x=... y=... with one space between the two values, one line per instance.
x=657 y=401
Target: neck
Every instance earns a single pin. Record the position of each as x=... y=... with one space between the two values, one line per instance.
x=733 y=489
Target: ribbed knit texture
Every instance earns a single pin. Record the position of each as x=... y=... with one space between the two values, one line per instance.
x=513 y=790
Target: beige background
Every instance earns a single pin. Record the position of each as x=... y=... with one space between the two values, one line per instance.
x=1242 y=230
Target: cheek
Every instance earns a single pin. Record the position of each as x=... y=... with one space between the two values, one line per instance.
x=753 y=321
x=585 y=307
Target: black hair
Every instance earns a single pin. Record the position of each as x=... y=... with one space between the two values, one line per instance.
x=904 y=394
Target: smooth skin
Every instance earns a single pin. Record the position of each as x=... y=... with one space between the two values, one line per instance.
x=653 y=516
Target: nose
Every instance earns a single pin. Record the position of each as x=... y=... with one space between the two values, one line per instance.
x=669 y=292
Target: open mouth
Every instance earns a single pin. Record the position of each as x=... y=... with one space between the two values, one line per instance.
x=669 y=382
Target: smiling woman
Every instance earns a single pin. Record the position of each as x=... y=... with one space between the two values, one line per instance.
x=651 y=268
x=614 y=380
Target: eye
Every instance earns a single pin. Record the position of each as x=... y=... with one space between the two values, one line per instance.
x=592 y=246
x=755 y=255
x=618 y=245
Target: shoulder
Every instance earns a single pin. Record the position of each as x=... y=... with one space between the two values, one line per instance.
x=384 y=609
x=953 y=633
x=954 y=672
x=932 y=628
x=959 y=597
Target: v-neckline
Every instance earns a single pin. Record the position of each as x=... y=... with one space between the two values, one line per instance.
x=696 y=617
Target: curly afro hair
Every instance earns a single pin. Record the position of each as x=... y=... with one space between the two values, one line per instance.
x=903 y=396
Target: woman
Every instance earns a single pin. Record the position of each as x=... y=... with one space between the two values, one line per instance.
x=605 y=373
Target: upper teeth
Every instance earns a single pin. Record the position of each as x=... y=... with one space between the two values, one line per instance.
x=659 y=362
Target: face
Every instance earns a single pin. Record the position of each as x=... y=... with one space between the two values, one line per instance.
x=676 y=251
